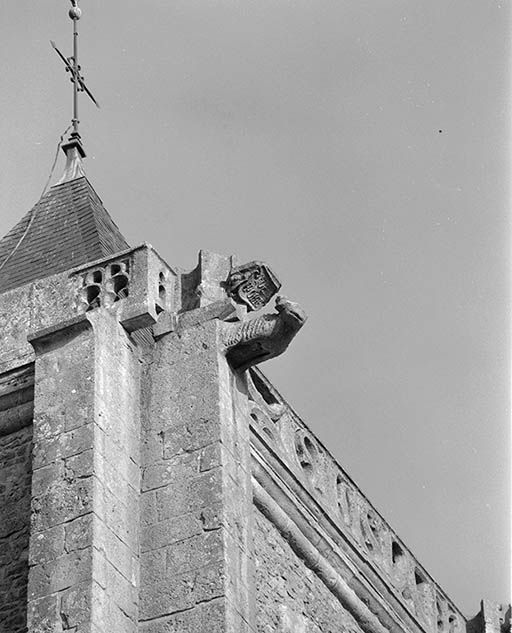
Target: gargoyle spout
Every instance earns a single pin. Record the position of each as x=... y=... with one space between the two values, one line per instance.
x=254 y=341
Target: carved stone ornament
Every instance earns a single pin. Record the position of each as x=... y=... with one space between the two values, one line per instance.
x=252 y=341
x=105 y=285
x=252 y=285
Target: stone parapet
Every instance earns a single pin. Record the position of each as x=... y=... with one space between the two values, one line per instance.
x=492 y=618
x=295 y=474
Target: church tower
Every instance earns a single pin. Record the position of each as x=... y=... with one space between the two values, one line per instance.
x=152 y=479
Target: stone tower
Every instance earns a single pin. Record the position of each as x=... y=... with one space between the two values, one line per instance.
x=152 y=479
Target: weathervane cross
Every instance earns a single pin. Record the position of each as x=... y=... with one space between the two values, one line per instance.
x=73 y=67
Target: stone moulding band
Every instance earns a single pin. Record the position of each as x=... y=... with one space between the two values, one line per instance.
x=15 y=419
x=69 y=327
x=304 y=548
x=301 y=471
x=16 y=399
x=321 y=547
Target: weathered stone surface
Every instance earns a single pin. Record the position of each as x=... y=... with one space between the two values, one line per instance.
x=61 y=502
x=163 y=533
x=48 y=545
x=75 y=606
x=60 y=573
x=190 y=503
x=191 y=620
x=254 y=341
x=205 y=284
x=78 y=533
x=86 y=476
x=327 y=491
x=44 y=615
x=14 y=325
x=133 y=485
x=15 y=453
x=291 y=598
x=492 y=618
x=252 y=285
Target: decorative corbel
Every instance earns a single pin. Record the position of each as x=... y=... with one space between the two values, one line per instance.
x=253 y=341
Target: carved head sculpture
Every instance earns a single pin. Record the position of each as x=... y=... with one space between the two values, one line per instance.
x=254 y=340
x=291 y=311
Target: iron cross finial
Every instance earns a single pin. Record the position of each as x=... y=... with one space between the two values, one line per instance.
x=73 y=67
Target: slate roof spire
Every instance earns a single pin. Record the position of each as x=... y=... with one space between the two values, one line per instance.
x=68 y=226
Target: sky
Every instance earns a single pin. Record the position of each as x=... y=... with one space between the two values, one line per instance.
x=362 y=150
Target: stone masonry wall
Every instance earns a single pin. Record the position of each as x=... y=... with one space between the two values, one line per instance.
x=290 y=597
x=84 y=527
x=193 y=526
x=15 y=477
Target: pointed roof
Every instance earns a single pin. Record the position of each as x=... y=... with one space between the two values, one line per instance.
x=69 y=226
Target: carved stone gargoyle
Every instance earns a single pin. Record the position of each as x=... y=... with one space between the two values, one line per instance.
x=252 y=341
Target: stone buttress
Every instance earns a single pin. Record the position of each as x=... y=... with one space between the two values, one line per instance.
x=152 y=479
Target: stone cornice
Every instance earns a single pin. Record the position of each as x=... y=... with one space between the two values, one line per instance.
x=16 y=399
x=312 y=535
x=303 y=546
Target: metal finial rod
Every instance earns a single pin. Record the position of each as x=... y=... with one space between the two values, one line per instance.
x=73 y=67
x=72 y=13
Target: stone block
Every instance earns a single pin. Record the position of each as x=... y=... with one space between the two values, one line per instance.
x=194 y=553
x=15 y=486
x=114 y=471
x=209 y=583
x=55 y=413
x=14 y=513
x=190 y=436
x=152 y=445
x=152 y=567
x=62 y=502
x=148 y=509
x=210 y=457
x=109 y=616
x=119 y=555
x=79 y=533
x=165 y=597
x=171 y=530
x=15 y=321
x=203 y=618
x=43 y=615
x=47 y=546
x=80 y=465
x=49 y=449
x=197 y=493
x=75 y=606
x=160 y=474
x=46 y=477
x=119 y=590
x=59 y=574
x=120 y=515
